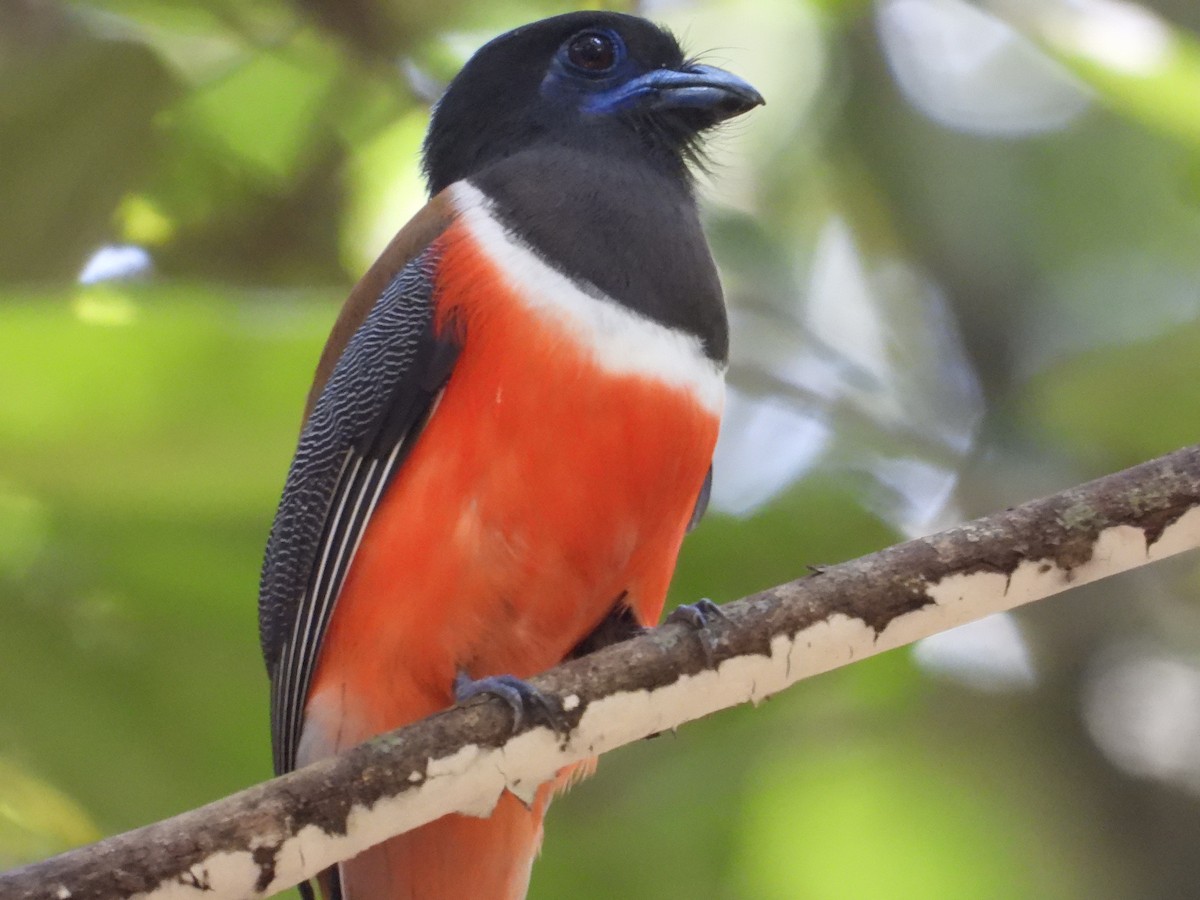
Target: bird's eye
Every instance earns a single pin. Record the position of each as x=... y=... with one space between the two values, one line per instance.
x=593 y=52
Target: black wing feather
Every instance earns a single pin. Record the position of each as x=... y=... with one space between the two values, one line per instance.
x=702 y=499
x=377 y=400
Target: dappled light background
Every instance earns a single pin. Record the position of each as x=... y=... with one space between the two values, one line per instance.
x=961 y=246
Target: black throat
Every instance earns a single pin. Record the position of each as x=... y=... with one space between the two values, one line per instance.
x=629 y=229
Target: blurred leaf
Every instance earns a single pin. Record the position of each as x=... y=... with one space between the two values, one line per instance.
x=37 y=820
x=1138 y=63
x=262 y=110
x=194 y=37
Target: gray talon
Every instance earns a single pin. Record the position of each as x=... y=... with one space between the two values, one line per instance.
x=527 y=703
x=700 y=616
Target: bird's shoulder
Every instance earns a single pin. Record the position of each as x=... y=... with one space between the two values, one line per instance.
x=409 y=242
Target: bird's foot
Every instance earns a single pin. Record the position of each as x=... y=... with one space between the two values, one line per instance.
x=527 y=703
x=701 y=617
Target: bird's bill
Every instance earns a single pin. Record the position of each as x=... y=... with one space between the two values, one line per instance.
x=700 y=87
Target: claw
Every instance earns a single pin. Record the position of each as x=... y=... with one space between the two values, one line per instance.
x=527 y=703
x=700 y=617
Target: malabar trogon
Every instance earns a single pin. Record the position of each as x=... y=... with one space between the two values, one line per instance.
x=512 y=423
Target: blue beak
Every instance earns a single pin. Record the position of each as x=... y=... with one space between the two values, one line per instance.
x=722 y=94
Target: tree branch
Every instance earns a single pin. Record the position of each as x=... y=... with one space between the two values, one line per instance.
x=275 y=834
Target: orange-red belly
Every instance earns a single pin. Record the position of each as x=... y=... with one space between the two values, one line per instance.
x=543 y=489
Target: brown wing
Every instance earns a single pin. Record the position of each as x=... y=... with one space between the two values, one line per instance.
x=408 y=243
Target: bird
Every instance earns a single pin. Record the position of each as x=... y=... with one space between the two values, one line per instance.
x=512 y=423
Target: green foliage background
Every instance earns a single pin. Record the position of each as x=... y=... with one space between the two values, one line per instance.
x=263 y=151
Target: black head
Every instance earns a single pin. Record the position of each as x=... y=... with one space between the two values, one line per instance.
x=600 y=80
